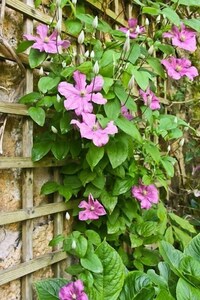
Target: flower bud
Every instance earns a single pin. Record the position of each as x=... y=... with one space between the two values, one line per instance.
x=58 y=26
x=58 y=98
x=137 y=29
x=64 y=64
x=67 y=216
x=175 y=120
x=147 y=22
x=158 y=19
x=74 y=2
x=96 y=68
x=58 y=2
x=92 y=54
x=168 y=148
x=95 y=22
x=126 y=47
x=53 y=129
x=81 y=37
x=196 y=193
x=182 y=141
x=87 y=53
x=128 y=33
x=73 y=244
x=41 y=71
x=131 y=82
x=151 y=50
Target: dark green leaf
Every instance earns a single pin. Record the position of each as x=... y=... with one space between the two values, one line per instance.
x=23 y=46
x=46 y=84
x=40 y=149
x=36 y=58
x=37 y=114
x=117 y=151
x=73 y=27
x=193 y=23
x=48 y=289
x=156 y=66
x=60 y=149
x=49 y=188
x=171 y=15
x=134 y=53
x=30 y=98
x=94 y=155
x=129 y=128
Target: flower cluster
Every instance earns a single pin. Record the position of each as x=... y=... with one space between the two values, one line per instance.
x=79 y=98
x=183 y=38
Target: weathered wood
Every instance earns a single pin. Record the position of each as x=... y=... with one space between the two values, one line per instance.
x=29 y=11
x=107 y=11
x=26 y=162
x=27 y=176
x=31 y=266
x=35 y=212
x=13 y=108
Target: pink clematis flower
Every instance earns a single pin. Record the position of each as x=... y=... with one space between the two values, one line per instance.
x=93 y=209
x=91 y=129
x=45 y=43
x=80 y=96
x=146 y=194
x=184 y=38
x=179 y=67
x=134 y=29
x=73 y=290
x=125 y=112
x=150 y=99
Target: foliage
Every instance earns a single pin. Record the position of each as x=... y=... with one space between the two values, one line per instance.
x=103 y=110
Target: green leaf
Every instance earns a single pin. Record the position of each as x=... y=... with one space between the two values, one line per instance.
x=172 y=256
x=156 y=66
x=86 y=176
x=142 y=78
x=94 y=155
x=112 y=109
x=134 y=53
x=121 y=186
x=129 y=128
x=37 y=114
x=117 y=151
x=193 y=248
x=108 y=201
x=30 y=98
x=86 y=18
x=185 y=291
x=193 y=23
x=73 y=27
x=48 y=289
x=81 y=246
x=147 y=228
x=46 y=84
x=171 y=15
x=23 y=46
x=149 y=257
x=153 y=151
x=136 y=241
x=183 y=223
x=49 y=188
x=40 y=149
x=108 y=82
x=120 y=92
x=93 y=237
x=85 y=67
x=151 y=10
x=56 y=240
x=92 y=263
x=164 y=294
x=167 y=49
x=108 y=285
x=191 y=269
x=134 y=285
x=188 y=2
x=60 y=149
x=74 y=270
x=168 y=166
x=36 y=58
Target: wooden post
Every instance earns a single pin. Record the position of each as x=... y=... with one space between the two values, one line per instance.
x=27 y=181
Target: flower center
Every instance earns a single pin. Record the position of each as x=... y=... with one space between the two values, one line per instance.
x=74 y=296
x=82 y=93
x=46 y=39
x=144 y=193
x=95 y=127
x=182 y=38
x=178 y=68
x=91 y=208
x=149 y=99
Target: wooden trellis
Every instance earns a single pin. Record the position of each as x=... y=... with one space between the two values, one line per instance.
x=29 y=212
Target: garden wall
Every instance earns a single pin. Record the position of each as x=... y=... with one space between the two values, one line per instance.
x=29 y=220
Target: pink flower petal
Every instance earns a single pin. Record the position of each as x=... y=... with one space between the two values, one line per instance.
x=42 y=31
x=96 y=84
x=80 y=80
